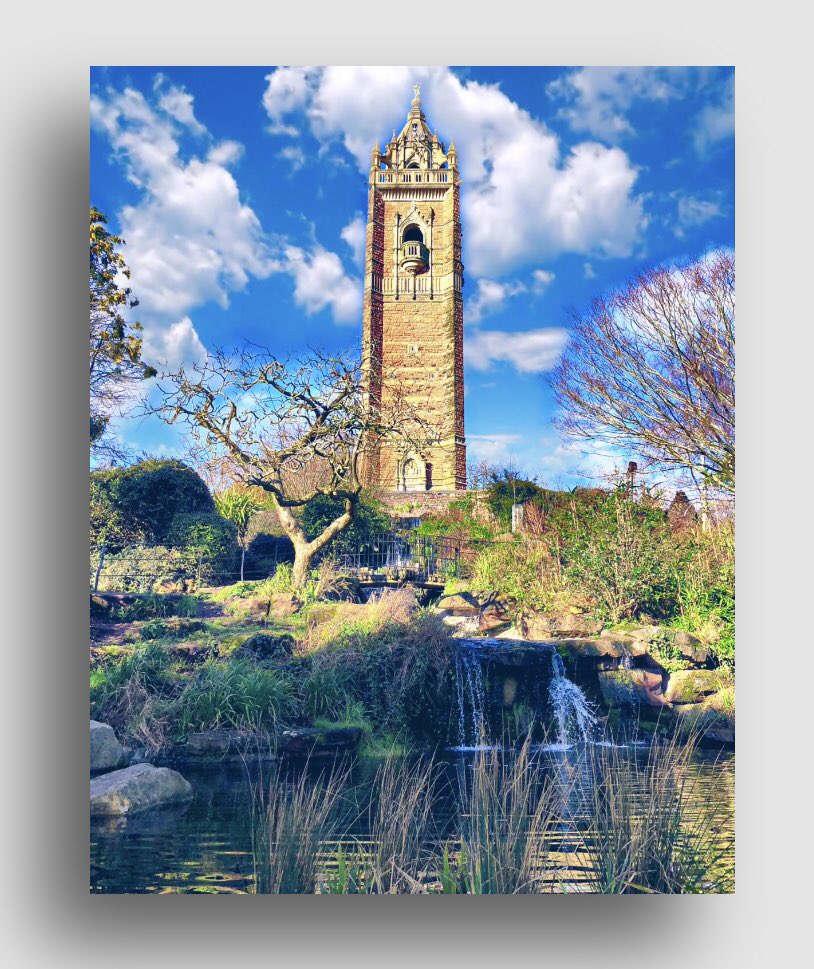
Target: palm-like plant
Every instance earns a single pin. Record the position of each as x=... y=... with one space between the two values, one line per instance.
x=237 y=506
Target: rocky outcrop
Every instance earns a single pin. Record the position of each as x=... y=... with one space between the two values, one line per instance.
x=649 y=639
x=135 y=789
x=105 y=750
x=319 y=741
x=692 y=686
x=631 y=687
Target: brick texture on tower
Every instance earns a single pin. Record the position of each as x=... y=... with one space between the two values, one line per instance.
x=413 y=304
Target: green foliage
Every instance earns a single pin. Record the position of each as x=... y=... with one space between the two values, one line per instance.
x=137 y=504
x=212 y=540
x=521 y=571
x=237 y=506
x=370 y=518
x=507 y=490
x=115 y=342
x=706 y=596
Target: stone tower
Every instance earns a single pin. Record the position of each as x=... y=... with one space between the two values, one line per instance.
x=413 y=304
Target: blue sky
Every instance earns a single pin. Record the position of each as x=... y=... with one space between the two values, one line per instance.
x=241 y=193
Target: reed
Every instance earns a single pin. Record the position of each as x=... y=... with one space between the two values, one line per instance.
x=293 y=818
x=507 y=809
x=653 y=828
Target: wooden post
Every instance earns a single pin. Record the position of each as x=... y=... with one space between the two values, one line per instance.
x=99 y=567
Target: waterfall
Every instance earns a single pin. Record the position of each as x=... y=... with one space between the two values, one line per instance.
x=470 y=695
x=571 y=707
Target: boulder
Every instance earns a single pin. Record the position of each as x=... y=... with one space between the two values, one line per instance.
x=317 y=741
x=595 y=648
x=620 y=687
x=105 y=750
x=138 y=788
x=691 y=686
x=566 y=622
x=284 y=604
x=493 y=616
x=459 y=604
x=264 y=647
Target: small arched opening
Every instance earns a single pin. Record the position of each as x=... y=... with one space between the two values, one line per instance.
x=412 y=234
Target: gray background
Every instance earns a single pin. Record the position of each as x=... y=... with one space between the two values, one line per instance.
x=50 y=919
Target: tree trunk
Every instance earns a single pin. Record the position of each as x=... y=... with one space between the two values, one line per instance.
x=242 y=560
x=304 y=551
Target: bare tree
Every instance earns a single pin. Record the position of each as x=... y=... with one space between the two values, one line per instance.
x=651 y=369
x=295 y=428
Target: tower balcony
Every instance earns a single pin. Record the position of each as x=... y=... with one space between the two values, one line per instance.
x=415 y=258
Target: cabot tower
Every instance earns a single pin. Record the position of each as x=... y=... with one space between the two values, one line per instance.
x=413 y=302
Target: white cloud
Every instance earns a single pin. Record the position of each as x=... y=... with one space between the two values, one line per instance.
x=532 y=351
x=588 y=271
x=177 y=103
x=190 y=237
x=598 y=97
x=693 y=211
x=542 y=280
x=172 y=345
x=294 y=155
x=354 y=234
x=523 y=201
x=491 y=447
x=716 y=122
x=490 y=297
x=320 y=282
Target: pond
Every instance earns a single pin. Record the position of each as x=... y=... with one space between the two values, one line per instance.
x=206 y=846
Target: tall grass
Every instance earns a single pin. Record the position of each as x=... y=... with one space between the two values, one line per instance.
x=653 y=828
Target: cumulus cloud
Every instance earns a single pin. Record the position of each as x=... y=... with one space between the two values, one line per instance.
x=177 y=103
x=490 y=297
x=531 y=351
x=173 y=345
x=320 y=282
x=354 y=234
x=597 y=98
x=191 y=239
x=525 y=199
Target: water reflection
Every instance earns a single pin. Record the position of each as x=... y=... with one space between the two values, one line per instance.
x=206 y=846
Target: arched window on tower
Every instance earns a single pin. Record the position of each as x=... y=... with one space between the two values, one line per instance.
x=412 y=234
x=413 y=165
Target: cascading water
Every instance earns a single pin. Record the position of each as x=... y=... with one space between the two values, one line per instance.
x=470 y=695
x=573 y=711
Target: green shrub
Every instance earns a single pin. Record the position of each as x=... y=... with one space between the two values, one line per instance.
x=158 y=607
x=462 y=518
x=211 y=540
x=137 y=504
x=619 y=552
